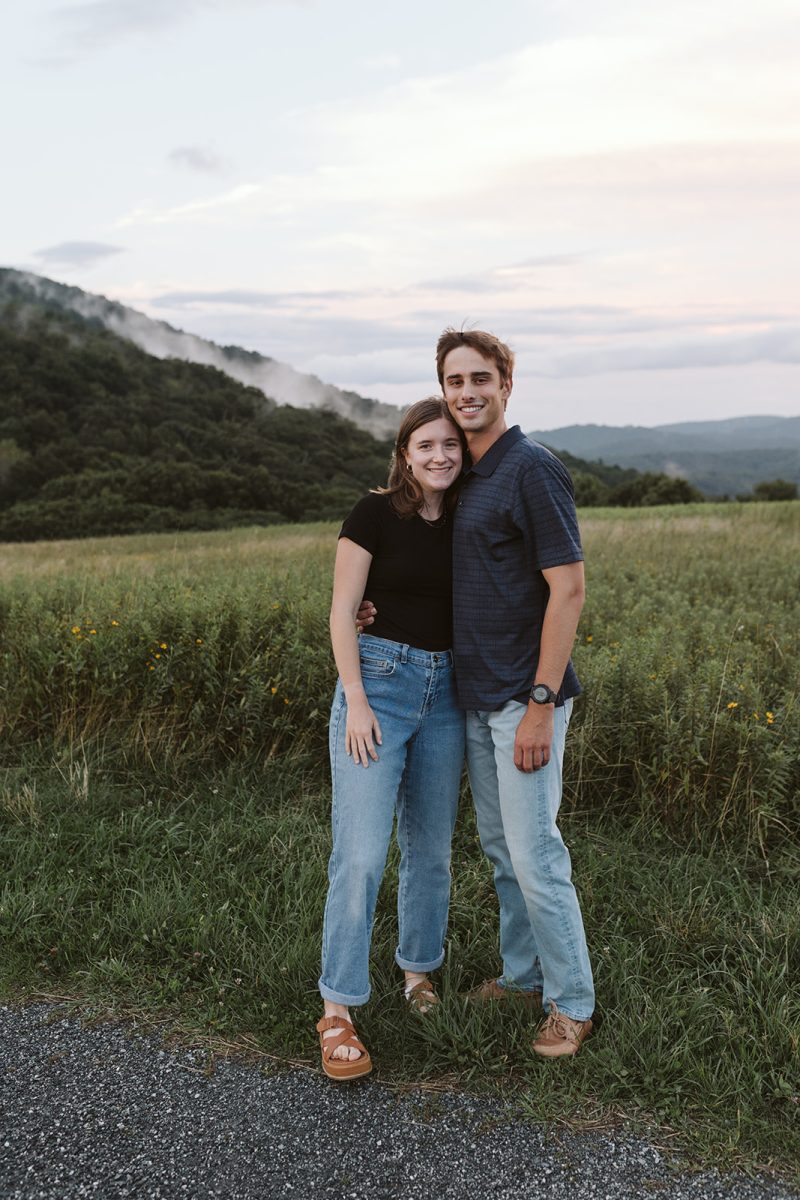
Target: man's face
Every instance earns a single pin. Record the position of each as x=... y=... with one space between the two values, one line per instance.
x=474 y=391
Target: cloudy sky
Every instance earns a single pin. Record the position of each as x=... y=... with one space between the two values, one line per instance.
x=612 y=188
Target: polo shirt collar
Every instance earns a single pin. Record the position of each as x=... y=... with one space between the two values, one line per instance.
x=491 y=460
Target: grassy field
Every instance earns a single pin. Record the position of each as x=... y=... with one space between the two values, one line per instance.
x=164 y=810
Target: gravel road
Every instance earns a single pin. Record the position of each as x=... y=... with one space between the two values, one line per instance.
x=108 y=1112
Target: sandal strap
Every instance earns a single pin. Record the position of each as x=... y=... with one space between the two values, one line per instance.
x=423 y=988
x=348 y=1036
x=421 y=995
x=332 y=1022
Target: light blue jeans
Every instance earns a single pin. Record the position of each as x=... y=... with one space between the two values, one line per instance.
x=417 y=775
x=542 y=942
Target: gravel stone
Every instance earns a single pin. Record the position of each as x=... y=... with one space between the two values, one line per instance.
x=107 y=1112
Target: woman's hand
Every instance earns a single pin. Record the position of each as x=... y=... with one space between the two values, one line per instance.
x=362 y=731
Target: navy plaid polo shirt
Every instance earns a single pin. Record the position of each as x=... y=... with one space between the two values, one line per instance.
x=515 y=517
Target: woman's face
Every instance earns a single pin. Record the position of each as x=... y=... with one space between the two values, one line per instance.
x=434 y=455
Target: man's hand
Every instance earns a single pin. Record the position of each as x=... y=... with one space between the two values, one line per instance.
x=534 y=738
x=367 y=612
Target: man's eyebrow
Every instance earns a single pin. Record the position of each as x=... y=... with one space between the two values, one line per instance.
x=485 y=372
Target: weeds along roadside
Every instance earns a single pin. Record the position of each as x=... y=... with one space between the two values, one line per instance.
x=165 y=831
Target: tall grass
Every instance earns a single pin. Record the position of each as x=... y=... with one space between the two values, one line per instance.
x=208 y=647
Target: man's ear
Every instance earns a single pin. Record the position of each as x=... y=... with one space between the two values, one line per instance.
x=505 y=388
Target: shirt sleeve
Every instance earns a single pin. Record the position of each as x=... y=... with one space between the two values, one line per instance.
x=363 y=526
x=544 y=509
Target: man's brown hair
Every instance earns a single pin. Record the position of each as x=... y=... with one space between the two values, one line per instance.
x=486 y=345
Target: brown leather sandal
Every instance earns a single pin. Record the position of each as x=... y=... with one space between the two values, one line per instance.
x=342 y=1068
x=421 y=997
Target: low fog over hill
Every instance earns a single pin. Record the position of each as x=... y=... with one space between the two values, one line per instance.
x=275 y=379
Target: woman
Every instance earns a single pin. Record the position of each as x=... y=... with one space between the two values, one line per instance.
x=396 y=734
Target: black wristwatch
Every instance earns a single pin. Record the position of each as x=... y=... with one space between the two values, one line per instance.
x=542 y=694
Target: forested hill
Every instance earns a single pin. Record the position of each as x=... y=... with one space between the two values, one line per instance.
x=276 y=379
x=98 y=437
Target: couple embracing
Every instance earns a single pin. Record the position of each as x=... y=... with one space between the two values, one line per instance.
x=471 y=562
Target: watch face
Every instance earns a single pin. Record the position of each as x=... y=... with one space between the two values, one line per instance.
x=541 y=694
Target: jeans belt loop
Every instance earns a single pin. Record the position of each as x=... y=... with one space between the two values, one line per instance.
x=404 y=654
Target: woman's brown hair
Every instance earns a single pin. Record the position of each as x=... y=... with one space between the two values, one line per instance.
x=405 y=494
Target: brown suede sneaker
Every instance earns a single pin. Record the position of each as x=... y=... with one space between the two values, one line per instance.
x=490 y=990
x=560 y=1035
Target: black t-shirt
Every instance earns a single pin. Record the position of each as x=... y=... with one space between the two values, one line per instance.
x=410 y=579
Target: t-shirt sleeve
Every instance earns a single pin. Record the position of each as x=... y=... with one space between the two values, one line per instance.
x=545 y=512
x=363 y=526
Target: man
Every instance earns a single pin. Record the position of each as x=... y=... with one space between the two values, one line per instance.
x=517 y=596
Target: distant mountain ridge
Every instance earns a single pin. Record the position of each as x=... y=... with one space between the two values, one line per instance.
x=720 y=457
x=275 y=379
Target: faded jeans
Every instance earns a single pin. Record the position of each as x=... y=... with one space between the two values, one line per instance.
x=417 y=776
x=542 y=941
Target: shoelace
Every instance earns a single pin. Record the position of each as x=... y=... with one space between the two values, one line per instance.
x=559 y=1024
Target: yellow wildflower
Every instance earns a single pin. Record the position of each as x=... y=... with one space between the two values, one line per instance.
x=757 y=717
x=198 y=641
x=588 y=637
x=76 y=629
x=92 y=631
x=162 y=645
x=285 y=700
x=273 y=690
x=733 y=704
x=115 y=622
x=156 y=656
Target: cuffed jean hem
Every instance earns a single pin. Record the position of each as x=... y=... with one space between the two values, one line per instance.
x=342 y=997
x=418 y=968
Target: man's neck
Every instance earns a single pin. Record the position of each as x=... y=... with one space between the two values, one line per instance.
x=479 y=443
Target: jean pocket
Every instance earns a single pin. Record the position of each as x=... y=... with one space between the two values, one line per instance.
x=376 y=668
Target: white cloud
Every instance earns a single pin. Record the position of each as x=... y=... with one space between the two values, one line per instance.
x=232 y=198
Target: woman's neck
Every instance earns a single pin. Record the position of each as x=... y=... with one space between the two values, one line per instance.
x=432 y=505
